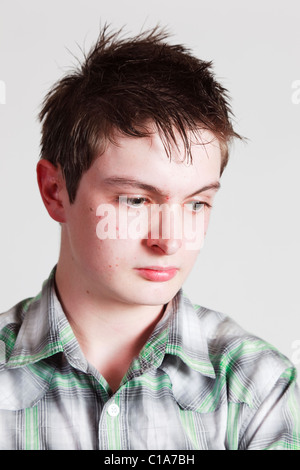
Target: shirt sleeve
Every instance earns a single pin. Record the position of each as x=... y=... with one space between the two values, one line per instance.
x=276 y=423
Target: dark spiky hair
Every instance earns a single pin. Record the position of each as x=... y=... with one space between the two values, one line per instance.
x=122 y=85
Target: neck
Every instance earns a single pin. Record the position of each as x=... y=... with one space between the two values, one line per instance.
x=85 y=310
x=110 y=333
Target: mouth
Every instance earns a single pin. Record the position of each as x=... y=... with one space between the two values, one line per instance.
x=157 y=273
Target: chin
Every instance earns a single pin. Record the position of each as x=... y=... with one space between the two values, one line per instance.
x=155 y=295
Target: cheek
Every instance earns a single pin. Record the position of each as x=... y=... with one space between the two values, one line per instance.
x=190 y=255
x=112 y=255
x=194 y=231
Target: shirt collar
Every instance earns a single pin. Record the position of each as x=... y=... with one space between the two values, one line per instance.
x=179 y=347
x=36 y=330
x=187 y=338
x=179 y=334
x=38 y=337
x=187 y=361
x=178 y=344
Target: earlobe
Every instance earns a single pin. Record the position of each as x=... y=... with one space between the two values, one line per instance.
x=52 y=186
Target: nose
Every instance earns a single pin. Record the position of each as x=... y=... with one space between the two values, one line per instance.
x=164 y=246
x=165 y=232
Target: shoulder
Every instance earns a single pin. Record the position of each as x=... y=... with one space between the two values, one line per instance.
x=11 y=322
x=226 y=337
x=15 y=315
x=241 y=359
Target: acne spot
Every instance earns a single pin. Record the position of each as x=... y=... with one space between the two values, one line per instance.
x=116 y=265
x=109 y=265
x=87 y=291
x=91 y=209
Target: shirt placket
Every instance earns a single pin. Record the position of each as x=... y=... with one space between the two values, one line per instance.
x=111 y=431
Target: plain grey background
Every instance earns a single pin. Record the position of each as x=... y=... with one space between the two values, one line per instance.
x=249 y=266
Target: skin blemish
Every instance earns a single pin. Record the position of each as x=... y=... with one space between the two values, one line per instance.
x=87 y=291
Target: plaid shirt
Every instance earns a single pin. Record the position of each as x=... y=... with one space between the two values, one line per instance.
x=200 y=382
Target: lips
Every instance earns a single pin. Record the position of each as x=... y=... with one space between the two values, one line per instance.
x=157 y=273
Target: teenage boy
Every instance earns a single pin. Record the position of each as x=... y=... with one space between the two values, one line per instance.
x=111 y=354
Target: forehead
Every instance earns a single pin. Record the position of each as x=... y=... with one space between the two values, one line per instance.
x=146 y=159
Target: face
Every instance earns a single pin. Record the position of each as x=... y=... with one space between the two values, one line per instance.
x=119 y=241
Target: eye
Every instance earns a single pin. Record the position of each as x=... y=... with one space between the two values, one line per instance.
x=135 y=202
x=194 y=206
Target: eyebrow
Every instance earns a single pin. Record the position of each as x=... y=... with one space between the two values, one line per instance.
x=119 y=181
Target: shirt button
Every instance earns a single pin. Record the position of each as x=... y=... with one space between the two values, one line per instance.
x=113 y=410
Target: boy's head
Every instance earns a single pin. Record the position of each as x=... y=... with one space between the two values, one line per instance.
x=130 y=87
x=133 y=220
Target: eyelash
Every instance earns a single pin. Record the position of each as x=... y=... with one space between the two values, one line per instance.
x=144 y=200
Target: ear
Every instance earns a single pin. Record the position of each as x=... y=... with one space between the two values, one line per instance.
x=52 y=188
